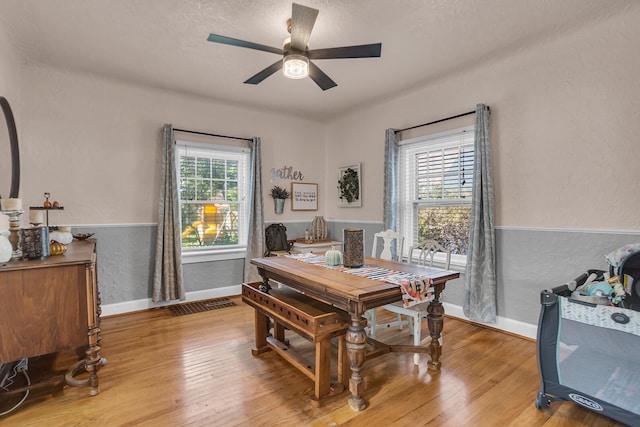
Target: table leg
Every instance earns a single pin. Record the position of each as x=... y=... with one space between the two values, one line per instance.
x=266 y=286
x=356 y=345
x=435 y=321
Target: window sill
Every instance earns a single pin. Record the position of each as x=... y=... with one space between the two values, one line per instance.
x=192 y=257
x=457 y=264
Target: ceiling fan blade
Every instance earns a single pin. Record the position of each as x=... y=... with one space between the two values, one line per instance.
x=321 y=79
x=254 y=80
x=361 y=51
x=303 y=19
x=242 y=43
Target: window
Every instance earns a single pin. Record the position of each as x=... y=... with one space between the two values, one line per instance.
x=213 y=188
x=435 y=186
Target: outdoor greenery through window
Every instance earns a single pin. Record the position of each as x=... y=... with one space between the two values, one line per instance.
x=435 y=189
x=213 y=188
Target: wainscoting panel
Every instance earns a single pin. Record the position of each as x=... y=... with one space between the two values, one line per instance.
x=528 y=261
x=531 y=260
x=125 y=260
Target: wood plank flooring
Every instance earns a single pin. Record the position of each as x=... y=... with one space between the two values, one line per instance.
x=197 y=370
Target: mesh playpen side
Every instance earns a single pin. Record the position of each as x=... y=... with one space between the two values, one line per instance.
x=589 y=354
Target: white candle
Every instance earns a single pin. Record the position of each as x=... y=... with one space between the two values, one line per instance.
x=36 y=216
x=11 y=204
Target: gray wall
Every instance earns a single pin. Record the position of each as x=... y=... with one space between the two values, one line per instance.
x=126 y=259
x=528 y=261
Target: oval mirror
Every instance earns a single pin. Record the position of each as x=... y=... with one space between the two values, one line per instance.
x=9 y=163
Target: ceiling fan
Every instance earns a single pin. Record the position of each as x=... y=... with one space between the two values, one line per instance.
x=296 y=57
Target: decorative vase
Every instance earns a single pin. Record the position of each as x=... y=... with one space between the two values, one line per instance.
x=318 y=228
x=278 y=205
x=353 y=239
x=6 y=249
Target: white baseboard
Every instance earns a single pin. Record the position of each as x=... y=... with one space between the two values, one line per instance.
x=144 y=304
x=509 y=325
x=517 y=327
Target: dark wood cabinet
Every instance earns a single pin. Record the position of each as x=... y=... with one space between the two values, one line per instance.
x=52 y=305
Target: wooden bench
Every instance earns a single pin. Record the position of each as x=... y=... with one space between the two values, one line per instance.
x=314 y=320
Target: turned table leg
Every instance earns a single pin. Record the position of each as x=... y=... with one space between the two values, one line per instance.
x=356 y=345
x=435 y=321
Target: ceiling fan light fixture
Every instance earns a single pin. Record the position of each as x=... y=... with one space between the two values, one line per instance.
x=296 y=62
x=295 y=66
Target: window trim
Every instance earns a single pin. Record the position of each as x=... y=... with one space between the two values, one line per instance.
x=195 y=255
x=458 y=262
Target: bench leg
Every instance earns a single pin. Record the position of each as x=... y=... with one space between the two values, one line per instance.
x=278 y=331
x=322 y=371
x=344 y=370
x=262 y=329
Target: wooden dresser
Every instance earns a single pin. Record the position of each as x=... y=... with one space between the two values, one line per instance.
x=321 y=247
x=51 y=305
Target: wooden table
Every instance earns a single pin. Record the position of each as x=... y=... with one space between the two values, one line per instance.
x=52 y=304
x=355 y=295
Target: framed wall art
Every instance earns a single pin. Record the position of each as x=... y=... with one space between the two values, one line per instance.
x=304 y=196
x=350 y=186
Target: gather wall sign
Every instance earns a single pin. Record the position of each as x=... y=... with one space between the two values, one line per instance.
x=288 y=173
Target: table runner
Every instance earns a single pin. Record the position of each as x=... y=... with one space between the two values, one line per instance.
x=415 y=288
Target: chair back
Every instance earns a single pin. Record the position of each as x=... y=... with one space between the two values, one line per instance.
x=428 y=248
x=388 y=238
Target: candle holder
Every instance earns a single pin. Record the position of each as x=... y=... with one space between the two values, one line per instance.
x=35 y=242
x=14 y=232
x=46 y=214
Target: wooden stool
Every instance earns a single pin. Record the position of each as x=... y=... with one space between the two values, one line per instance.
x=314 y=320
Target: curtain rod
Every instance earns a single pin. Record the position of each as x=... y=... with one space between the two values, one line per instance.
x=212 y=134
x=438 y=121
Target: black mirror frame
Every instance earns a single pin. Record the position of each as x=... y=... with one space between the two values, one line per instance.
x=15 y=153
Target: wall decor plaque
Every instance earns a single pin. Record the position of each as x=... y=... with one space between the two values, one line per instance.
x=304 y=196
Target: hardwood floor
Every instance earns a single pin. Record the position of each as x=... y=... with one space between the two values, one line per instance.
x=197 y=370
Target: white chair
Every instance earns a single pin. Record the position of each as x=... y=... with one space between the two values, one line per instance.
x=389 y=238
x=417 y=311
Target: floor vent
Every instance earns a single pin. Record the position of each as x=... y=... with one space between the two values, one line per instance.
x=200 y=306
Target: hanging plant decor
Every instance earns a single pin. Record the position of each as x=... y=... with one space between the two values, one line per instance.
x=279 y=195
x=349 y=186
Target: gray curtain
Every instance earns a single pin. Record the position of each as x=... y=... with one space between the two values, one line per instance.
x=255 y=244
x=390 y=208
x=167 y=276
x=480 y=274
x=390 y=213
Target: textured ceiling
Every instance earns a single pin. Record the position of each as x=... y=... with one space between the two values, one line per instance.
x=163 y=43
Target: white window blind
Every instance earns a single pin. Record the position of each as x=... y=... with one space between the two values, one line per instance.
x=435 y=189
